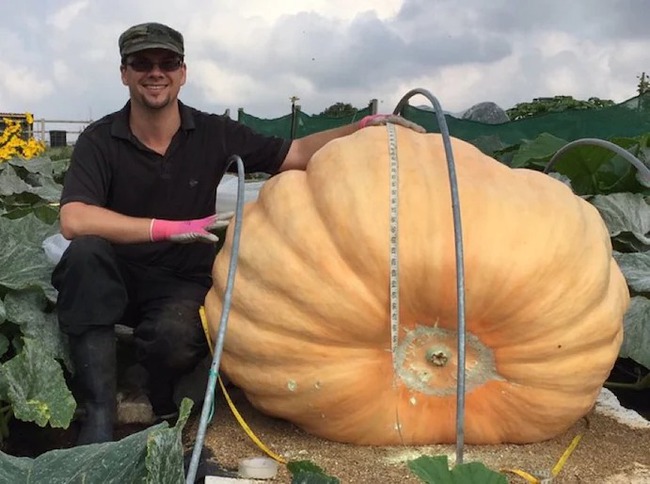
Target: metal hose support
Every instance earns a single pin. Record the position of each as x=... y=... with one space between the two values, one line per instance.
x=206 y=411
x=460 y=271
x=644 y=171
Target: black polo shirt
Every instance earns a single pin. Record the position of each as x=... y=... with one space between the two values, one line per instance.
x=111 y=168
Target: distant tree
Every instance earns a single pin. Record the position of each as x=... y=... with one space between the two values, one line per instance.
x=643 y=90
x=644 y=84
x=544 y=105
x=339 y=110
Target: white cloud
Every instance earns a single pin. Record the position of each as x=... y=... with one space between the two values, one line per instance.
x=255 y=54
x=23 y=85
x=65 y=16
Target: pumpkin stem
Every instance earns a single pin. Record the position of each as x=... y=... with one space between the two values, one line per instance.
x=437 y=357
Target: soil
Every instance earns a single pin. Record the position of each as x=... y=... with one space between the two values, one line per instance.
x=613 y=449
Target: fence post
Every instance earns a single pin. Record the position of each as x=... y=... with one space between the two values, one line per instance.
x=373 y=106
x=295 y=109
x=294 y=121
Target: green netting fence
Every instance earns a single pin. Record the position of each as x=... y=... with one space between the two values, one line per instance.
x=628 y=119
x=298 y=124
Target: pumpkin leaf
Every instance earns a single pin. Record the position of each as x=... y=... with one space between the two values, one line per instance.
x=22 y=258
x=306 y=472
x=489 y=144
x=11 y=183
x=538 y=151
x=153 y=455
x=636 y=342
x=625 y=213
x=435 y=470
x=594 y=169
x=638 y=147
x=37 y=173
x=111 y=462
x=164 y=460
x=34 y=384
x=27 y=310
x=636 y=268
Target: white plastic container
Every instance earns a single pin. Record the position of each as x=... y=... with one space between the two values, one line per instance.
x=258 y=468
x=227 y=193
x=54 y=246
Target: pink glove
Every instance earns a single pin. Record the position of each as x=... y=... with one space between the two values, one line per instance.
x=383 y=119
x=185 y=231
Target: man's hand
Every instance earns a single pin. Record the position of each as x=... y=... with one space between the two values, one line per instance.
x=383 y=119
x=186 y=231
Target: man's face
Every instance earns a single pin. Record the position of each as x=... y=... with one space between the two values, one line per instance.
x=154 y=77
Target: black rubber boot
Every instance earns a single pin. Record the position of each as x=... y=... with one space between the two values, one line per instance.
x=161 y=396
x=93 y=355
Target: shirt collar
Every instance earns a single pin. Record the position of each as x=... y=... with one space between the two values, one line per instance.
x=120 y=127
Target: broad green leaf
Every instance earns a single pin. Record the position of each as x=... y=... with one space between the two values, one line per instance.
x=3 y=312
x=617 y=176
x=538 y=151
x=40 y=165
x=22 y=258
x=435 y=470
x=636 y=268
x=153 y=455
x=109 y=463
x=431 y=469
x=636 y=342
x=48 y=190
x=37 y=173
x=27 y=309
x=36 y=387
x=489 y=144
x=47 y=213
x=306 y=472
x=11 y=183
x=59 y=168
x=14 y=469
x=638 y=147
x=625 y=213
x=590 y=169
x=164 y=460
x=307 y=477
x=476 y=472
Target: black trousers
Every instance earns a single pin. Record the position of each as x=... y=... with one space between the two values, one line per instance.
x=96 y=288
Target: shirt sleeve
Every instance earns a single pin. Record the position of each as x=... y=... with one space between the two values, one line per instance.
x=88 y=176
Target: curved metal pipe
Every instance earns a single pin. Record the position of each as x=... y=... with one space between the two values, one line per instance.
x=460 y=271
x=206 y=411
x=644 y=171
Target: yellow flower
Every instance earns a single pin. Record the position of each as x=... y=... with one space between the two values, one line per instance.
x=13 y=144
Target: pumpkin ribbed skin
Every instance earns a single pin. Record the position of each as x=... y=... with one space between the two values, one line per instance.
x=308 y=336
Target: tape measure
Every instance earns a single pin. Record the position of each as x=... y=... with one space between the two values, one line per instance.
x=394 y=242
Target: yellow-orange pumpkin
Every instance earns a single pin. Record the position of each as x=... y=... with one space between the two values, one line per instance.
x=308 y=337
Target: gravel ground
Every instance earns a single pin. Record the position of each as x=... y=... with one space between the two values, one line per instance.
x=614 y=449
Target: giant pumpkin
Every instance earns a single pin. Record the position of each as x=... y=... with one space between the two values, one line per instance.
x=308 y=336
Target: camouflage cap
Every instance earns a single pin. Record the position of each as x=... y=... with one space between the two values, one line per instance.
x=150 y=36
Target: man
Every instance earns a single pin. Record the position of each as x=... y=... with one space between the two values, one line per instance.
x=140 y=189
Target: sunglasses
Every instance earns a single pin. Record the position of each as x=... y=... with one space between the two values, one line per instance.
x=146 y=65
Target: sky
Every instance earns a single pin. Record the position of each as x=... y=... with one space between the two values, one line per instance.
x=59 y=58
